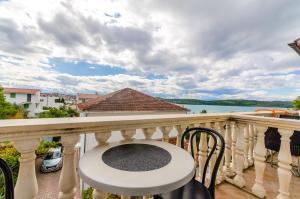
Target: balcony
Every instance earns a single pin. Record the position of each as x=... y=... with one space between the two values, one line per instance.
x=244 y=172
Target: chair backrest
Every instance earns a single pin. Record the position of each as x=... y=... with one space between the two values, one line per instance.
x=9 y=186
x=212 y=135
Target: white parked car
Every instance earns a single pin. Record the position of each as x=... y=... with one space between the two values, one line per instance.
x=52 y=161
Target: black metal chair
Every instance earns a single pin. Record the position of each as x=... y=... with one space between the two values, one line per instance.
x=272 y=142
x=195 y=189
x=9 y=186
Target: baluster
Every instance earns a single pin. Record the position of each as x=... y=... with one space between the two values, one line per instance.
x=26 y=186
x=239 y=155
x=220 y=174
x=101 y=138
x=194 y=142
x=68 y=177
x=227 y=168
x=203 y=150
x=246 y=145
x=128 y=134
x=259 y=162
x=251 y=145
x=148 y=132
x=165 y=131
x=180 y=129
x=284 y=163
x=213 y=157
x=233 y=146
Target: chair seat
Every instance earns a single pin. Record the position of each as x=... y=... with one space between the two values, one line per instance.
x=192 y=190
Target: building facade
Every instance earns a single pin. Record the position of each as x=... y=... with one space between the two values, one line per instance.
x=29 y=99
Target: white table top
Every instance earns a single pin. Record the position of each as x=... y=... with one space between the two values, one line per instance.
x=178 y=172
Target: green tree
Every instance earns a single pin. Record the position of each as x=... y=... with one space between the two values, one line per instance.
x=7 y=110
x=296 y=103
x=59 y=112
x=204 y=111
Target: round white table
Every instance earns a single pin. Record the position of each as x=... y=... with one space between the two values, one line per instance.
x=137 y=168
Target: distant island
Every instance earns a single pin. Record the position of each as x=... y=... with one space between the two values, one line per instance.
x=239 y=102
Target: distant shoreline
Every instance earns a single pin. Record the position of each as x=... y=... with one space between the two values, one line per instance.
x=249 y=103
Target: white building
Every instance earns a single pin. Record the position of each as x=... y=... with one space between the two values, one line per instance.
x=28 y=98
x=51 y=100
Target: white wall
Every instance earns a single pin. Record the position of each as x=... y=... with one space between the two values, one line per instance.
x=49 y=101
x=21 y=99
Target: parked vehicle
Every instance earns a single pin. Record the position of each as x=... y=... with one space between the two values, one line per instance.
x=52 y=161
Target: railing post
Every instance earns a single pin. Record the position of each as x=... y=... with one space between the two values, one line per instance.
x=284 y=163
x=259 y=162
x=233 y=146
x=165 y=131
x=213 y=157
x=180 y=129
x=203 y=150
x=68 y=178
x=246 y=145
x=239 y=165
x=220 y=175
x=148 y=132
x=251 y=145
x=128 y=134
x=101 y=138
x=26 y=186
x=227 y=168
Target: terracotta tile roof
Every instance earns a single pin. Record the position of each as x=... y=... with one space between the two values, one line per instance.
x=87 y=96
x=21 y=90
x=129 y=100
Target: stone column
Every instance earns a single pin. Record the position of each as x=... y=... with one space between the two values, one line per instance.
x=284 y=163
x=68 y=177
x=239 y=156
x=251 y=145
x=180 y=129
x=227 y=168
x=259 y=162
x=233 y=146
x=203 y=150
x=26 y=186
x=148 y=132
x=165 y=131
x=101 y=138
x=128 y=134
x=246 y=145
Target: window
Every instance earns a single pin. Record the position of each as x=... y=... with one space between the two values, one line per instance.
x=57 y=100
x=13 y=95
x=41 y=100
x=28 y=97
x=26 y=106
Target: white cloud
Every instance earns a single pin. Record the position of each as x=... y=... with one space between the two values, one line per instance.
x=204 y=49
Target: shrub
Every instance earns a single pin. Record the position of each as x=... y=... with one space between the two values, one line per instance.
x=44 y=147
x=88 y=194
x=59 y=112
x=296 y=103
x=11 y=156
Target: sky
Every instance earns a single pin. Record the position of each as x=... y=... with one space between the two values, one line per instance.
x=172 y=48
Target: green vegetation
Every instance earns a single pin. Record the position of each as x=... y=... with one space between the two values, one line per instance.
x=282 y=104
x=88 y=194
x=44 y=147
x=296 y=103
x=203 y=111
x=7 y=110
x=11 y=156
x=59 y=112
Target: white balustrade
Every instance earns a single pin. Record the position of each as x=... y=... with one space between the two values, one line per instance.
x=148 y=133
x=68 y=176
x=26 y=186
x=259 y=162
x=233 y=146
x=128 y=134
x=180 y=129
x=284 y=163
x=101 y=138
x=239 y=157
x=203 y=151
x=220 y=174
x=251 y=145
x=227 y=170
x=165 y=132
x=213 y=157
x=246 y=145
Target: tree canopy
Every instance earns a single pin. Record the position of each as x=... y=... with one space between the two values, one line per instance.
x=7 y=110
x=296 y=103
x=59 y=112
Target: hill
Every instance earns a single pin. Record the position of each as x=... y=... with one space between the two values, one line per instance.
x=230 y=102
